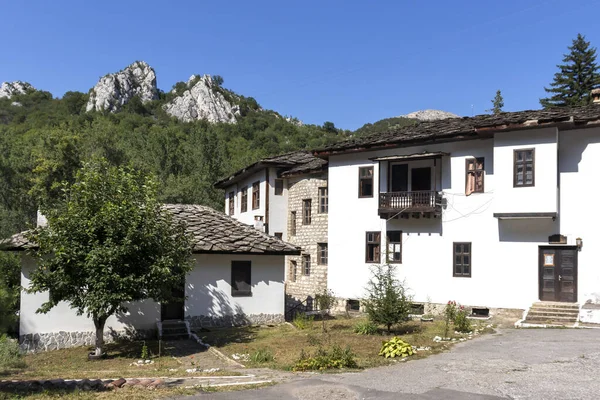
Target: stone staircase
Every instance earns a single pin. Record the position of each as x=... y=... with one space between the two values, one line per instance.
x=551 y=313
x=174 y=330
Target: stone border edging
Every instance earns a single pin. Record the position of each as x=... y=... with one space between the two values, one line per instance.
x=225 y=358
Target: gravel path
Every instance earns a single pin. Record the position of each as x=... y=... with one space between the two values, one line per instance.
x=515 y=364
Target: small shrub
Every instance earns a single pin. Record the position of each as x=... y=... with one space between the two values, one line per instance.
x=365 y=328
x=10 y=357
x=449 y=316
x=461 y=323
x=336 y=358
x=261 y=356
x=145 y=355
x=303 y=321
x=395 y=347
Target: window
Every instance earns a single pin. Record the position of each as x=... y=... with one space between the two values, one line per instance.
x=365 y=182
x=322 y=253
x=240 y=278
x=244 y=200
x=373 y=247
x=524 y=168
x=474 y=175
x=293 y=270
x=306 y=264
x=255 y=195
x=462 y=259
x=279 y=235
x=293 y=223
x=278 y=187
x=231 y=203
x=306 y=212
x=323 y=200
x=394 y=252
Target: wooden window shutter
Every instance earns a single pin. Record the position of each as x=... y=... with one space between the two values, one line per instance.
x=470 y=176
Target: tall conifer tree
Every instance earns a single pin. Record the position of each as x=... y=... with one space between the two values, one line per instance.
x=577 y=77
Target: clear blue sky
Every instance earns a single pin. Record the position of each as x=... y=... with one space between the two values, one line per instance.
x=346 y=61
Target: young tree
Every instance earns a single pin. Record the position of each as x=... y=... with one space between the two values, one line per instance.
x=325 y=301
x=497 y=103
x=108 y=242
x=387 y=302
x=577 y=77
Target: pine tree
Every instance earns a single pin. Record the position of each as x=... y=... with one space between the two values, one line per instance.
x=497 y=103
x=578 y=75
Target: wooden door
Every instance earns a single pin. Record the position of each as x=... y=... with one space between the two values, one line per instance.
x=399 y=178
x=420 y=179
x=558 y=274
x=174 y=310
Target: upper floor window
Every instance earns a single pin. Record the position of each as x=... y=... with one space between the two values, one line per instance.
x=323 y=200
x=306 y=264
x=278 y=187
x=293 y=270
x=244 y=200
x=322 y=253
x=293 y=223
x=306 y=211
x=365 y=182
x=462 y=259
x=373 y=247
x=474 y=175
x=394 y=252
x=255 y=195
x=524 y=168
x=231 y=203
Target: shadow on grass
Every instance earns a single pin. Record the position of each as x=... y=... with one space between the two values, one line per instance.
x=220 y=337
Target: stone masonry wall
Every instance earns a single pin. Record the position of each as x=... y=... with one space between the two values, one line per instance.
x=307 y=237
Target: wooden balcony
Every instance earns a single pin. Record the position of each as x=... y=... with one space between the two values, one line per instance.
x=426 y=203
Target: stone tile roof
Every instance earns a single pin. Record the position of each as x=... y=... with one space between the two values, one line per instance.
x=469 y=127
x=212 y=231
x=297 y=162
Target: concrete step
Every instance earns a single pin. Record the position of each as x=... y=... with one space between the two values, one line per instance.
x=546 y=313
x=561 y=320
x=175 y=336
x=555 y=305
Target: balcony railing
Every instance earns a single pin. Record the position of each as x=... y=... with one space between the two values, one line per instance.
x=417 y=201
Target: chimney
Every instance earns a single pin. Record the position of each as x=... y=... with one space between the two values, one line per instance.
x=259 y=223
x=596 y=96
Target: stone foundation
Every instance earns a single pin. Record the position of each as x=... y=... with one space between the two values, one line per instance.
x=205 y=321
x=36 y=342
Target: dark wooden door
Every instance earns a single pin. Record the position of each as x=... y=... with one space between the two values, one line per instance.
x=399 y=178
x=420 y=179
x=174 y=309
x=558 y=274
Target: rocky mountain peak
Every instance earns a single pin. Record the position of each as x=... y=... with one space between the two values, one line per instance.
x=7 y=89
x=202 y=99
x=430 y=115
x=115 y=90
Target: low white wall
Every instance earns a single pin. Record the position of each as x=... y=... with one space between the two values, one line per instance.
x=62 y=318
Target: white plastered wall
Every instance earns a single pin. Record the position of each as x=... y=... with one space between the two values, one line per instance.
x=248 y=216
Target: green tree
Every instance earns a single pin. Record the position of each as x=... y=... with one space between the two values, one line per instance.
x=108 y=242
x=497 y=103
x=577 y=77
x=329 y=126
x=387 y=302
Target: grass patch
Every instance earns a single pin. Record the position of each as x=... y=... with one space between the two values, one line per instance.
x=286 y=344
x=73 y=364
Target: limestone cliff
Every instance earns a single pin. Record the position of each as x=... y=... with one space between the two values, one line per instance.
x=202 y=99
x=115 y=90
x=430 y=115
x=7 y=89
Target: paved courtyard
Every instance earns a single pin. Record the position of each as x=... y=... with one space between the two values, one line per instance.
x=512 y=364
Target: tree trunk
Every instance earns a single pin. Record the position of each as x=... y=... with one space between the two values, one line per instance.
x=389 y=328
x=99 y=324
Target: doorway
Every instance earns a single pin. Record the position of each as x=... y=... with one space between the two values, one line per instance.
x=558 y=273
x=174 y=310
x=420 y=179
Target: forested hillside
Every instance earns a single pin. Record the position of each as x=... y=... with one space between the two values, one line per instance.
x=44 y=140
